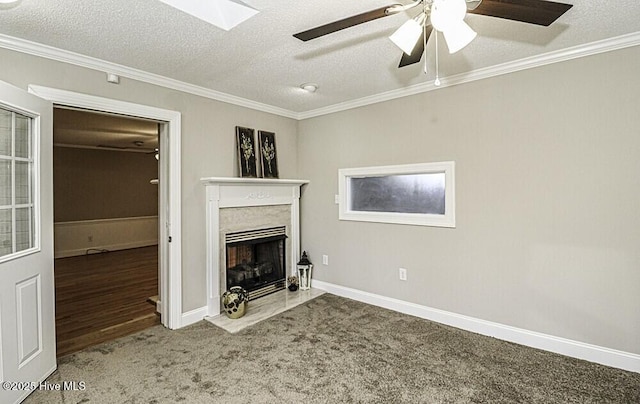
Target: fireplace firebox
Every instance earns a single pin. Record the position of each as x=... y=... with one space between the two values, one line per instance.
x=256 y=260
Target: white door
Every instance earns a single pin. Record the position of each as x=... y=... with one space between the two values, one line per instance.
x=27 y=313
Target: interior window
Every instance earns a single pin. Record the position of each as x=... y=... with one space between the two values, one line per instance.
x=417 y=194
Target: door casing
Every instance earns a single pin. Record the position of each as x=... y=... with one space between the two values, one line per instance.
x=170 y=229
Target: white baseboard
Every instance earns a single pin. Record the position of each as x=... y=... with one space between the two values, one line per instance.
x=593 y=353
x=193 y=316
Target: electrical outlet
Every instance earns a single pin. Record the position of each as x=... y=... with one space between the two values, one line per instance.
x=402 y=273
x=325 y=260
x=90 y=239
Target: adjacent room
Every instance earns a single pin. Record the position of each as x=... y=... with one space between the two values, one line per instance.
x=105 y=175
x=456 y=181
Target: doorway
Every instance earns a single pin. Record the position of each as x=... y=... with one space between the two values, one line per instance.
x=169 y=215
x=106 y=226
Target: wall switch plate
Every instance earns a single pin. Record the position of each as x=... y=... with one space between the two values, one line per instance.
x=402 y=274
x=336 y=199
x=325 y=260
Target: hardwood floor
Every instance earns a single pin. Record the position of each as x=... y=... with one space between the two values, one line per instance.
x=100 y=297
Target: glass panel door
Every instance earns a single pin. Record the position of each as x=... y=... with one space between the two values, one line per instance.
x=16 y=183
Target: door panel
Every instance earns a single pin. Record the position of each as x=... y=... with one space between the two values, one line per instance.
x=29 y=319
x=27 y=312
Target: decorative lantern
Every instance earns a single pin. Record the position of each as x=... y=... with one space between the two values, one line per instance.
x=304 y=272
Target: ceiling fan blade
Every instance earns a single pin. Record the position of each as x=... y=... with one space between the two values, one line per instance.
x=538 y=12
x=416 y=55
x=344 y=23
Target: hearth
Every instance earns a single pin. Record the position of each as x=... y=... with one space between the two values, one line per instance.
x=255 y=260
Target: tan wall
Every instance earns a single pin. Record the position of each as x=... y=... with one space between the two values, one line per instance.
x=103 y=184
x=208 y=142
x=547 y=195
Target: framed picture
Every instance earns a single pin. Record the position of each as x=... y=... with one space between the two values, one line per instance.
x=246 y=152
x=268 y=155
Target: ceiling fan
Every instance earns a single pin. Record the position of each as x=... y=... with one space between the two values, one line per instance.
x=447 y=17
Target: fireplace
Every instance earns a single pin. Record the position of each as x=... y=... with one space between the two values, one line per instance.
x=236 y=205
x=255 y=260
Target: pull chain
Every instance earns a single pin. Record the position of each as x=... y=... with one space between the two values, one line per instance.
x=437 y=80
x=424 y=38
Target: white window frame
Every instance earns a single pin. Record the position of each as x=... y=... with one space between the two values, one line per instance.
x=35 y=183
x=448 y=219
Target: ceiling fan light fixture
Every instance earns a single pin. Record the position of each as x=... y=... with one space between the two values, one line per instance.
x=446 y=13
x=459 y=37
x=406 y=37
x=447 y=16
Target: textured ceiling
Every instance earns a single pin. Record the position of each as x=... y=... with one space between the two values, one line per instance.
x=259 y=60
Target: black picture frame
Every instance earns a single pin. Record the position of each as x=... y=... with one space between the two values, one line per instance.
x=245 y=144
x=268 y=154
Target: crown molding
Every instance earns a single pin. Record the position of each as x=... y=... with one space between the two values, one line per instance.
x=60 y=55
x=593 y=48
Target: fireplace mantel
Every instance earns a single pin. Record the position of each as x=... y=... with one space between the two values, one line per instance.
x=256 y=181
x=228 y=192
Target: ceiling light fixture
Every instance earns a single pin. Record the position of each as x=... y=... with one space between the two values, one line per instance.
x=224 y=14
x=447 y=16
x=406 y=37
x=8 y=1
x=309 y=87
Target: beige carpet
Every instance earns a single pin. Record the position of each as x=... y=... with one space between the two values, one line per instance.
x=331 y=350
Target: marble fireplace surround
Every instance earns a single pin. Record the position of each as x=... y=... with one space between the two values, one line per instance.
x=238 y=204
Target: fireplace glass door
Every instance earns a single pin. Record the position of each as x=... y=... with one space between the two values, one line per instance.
x=257 y=265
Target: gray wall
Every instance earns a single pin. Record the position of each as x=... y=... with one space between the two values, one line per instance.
x=208 y=142
x=548 y=192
